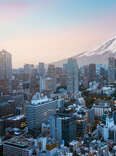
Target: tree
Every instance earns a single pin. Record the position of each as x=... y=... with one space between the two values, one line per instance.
x=89 y=101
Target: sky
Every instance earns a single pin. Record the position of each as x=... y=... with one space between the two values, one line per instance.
x=36 y=31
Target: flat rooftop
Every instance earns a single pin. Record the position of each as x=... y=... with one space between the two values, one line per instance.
x=20 y=141
x=18 y=117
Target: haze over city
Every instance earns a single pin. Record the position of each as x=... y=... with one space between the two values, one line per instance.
x=51 y=30
x=57 y=77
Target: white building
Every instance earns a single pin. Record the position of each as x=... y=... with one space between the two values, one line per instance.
x=39 y=111
x=5 y=65
x=108 y=90
x=100 y=109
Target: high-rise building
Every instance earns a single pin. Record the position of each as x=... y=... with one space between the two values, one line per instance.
x=63 y=127
x=28 y=69
x=111 y=69
x=41 y=69
x=52 y=74
x=90 y=116
x=104 y=73
x=72 y=76
x=5 y=65
x=62 y=80
x=39 y=111
x=80 y=126
x=64 y=68
x=100 y=109
x=7 y=107
x=53 y=126
x=92 y=72
x=47 y=84
x=111 y=74
x=111 y=62
x=51 y=70
x=58 y=70
x=59 y=76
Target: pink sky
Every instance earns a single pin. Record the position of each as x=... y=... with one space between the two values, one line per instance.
x=55 y=45
x=50 y=30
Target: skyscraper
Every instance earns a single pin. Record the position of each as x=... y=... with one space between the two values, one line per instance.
x=72 y=76
x=63 y=127
x=51 y=70
x=5 y=65
x=66 y=128
x=111 y=69
x=52 y=74
x=111 y=62
x=41 y=69
x=92 y=72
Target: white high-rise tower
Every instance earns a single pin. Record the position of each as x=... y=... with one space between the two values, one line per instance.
x=5 y=65
x=72 y=76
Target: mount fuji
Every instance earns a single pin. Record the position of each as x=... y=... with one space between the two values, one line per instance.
x=99 y=55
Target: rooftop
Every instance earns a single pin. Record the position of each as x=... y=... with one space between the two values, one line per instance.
x=19 y=141
x=38 y=99
x=18 y=117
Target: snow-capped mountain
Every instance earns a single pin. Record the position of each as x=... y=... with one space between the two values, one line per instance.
x=109 y=46
x=99 y=55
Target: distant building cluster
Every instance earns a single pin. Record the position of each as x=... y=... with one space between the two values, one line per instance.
x=47 y=110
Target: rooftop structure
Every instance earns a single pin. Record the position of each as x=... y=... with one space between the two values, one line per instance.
x=21 y=142
x=18 y=146
x=39 y=111
x=18 y=117
x=39 y=99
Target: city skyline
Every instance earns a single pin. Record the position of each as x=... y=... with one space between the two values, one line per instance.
x=51 y=30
